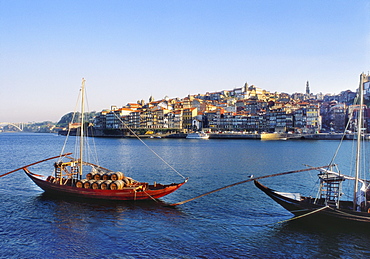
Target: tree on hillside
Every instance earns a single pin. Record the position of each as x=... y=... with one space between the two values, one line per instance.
x=67 y=118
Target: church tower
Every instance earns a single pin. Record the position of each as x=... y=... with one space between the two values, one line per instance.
x=307 y=88
x=245 y=88
x=151 y=99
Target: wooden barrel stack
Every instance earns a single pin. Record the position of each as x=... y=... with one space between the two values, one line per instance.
x=106 y=181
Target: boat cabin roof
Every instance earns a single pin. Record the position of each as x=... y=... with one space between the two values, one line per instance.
x=329 y=177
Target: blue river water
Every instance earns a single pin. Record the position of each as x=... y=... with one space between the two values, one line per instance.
x=238 y=222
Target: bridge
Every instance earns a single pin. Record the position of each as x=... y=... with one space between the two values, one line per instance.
x=18 y=126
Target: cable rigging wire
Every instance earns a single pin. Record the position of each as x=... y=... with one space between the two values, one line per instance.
x=123 y=123
x=93 y=153
x=69 y=128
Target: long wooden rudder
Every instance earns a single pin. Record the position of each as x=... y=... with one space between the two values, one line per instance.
x=38 y=162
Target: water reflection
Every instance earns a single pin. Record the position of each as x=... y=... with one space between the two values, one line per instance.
x=315 y=241
x=114 y=208
x=226 y=224
x=82 y=227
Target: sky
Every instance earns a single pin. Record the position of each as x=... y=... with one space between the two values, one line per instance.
x=129 y=50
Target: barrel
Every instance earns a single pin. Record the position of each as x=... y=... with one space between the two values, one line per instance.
x=131 y=180
x=97 y=176
x=87 y=184
x=105 y=185
x=127 y=181
x=96 y=184
x=80 y=183
x=107 y=176
x=90 y=176
x=117 y=185
x=117 y=176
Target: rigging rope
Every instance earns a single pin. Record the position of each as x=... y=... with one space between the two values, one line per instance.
x=123 y=123
x=69 y=128
x=340 y=143
x=93 y=152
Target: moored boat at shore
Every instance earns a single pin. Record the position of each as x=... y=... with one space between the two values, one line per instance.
x=273 y=136
x=197 y=135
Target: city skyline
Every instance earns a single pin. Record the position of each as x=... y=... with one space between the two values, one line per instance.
x=151 y=99
x=129 y=50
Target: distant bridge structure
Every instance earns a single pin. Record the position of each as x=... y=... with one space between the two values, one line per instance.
x=18 y=126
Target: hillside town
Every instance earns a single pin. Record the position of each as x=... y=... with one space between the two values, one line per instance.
x=245 y=109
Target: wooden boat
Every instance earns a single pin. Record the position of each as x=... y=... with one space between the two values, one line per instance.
x=70 y=179
x=329 y=205
x=136 y=191
x=316 y=210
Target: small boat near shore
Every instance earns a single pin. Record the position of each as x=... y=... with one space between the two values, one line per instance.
x=197 y=135
x=273 y=136
x=78 y=178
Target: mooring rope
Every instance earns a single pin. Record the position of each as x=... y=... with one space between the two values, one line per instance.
x=294 y=218
x=349 y=214
x=150 y=196
x=304 y=215
x=149 y=147
x=245 y=181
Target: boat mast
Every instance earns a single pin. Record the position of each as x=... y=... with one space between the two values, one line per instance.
x=359 y=130
x=82 y=123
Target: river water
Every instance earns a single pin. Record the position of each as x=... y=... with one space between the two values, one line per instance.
x=238 y=222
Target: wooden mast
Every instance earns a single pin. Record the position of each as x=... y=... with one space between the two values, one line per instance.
x=358 y=149
x=82 y=125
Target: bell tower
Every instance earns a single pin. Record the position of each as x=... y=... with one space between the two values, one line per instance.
x=307 y=88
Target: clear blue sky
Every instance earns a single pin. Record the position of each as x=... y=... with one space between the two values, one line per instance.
x=129 y=50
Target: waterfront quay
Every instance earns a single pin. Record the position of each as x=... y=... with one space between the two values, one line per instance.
x=257 y=136
x=272 y=136
x=222 y=135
